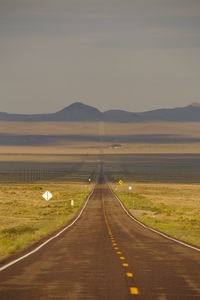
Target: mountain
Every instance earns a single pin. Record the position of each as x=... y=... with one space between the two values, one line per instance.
x=74 y=112
x=78 y=112
x=190 y=113
x=82 y=112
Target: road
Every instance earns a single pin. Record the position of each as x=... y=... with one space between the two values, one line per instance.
x=105 y=255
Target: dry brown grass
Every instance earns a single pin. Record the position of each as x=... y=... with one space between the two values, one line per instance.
x=71 y=148
x=191 y=129
x=171 y=208
x=134 y=148
x=49 y=128
x=178 y=128
x=26 y=217
x=92 y=148
x=184 y=130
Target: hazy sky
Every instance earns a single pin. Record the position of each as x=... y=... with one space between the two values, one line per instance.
x=127 y=54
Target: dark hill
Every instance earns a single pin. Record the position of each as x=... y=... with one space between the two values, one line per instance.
x=189 y=113
x=81 y=112
x=78 y=112
x=74 y=112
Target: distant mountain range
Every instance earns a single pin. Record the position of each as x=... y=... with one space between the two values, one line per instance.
x=85 y=113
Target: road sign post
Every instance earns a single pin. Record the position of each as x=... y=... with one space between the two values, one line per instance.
x=47 y=196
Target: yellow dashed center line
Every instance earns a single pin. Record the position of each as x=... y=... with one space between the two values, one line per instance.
x=133 y=290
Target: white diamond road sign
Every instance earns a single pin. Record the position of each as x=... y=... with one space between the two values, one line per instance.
x=47 y=195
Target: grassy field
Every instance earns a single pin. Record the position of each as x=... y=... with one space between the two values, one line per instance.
x=48 y=128
x=170 y=208
x=19 y=168
x=191 y=129
x=25 y=216
x=161 y=158
x=95 y=128
x=93 y=148
x=149 y=137
x=168 y=168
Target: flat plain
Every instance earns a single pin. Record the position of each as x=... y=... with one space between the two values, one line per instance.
x=169 y=207
x=88 y=137
x=160 y=160
x=27 y=217
x=165 y=190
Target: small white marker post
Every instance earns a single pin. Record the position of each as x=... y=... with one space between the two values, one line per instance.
x=47 y=196
x=89 y=179
x=130 y=188
x=72 y=202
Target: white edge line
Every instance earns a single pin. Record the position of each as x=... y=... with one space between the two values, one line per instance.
x=50 y=239
x=149 y=228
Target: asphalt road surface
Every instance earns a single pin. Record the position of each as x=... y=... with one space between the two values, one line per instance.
x=105 y=255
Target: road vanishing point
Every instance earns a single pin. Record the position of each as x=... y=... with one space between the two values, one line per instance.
x=104 y=255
